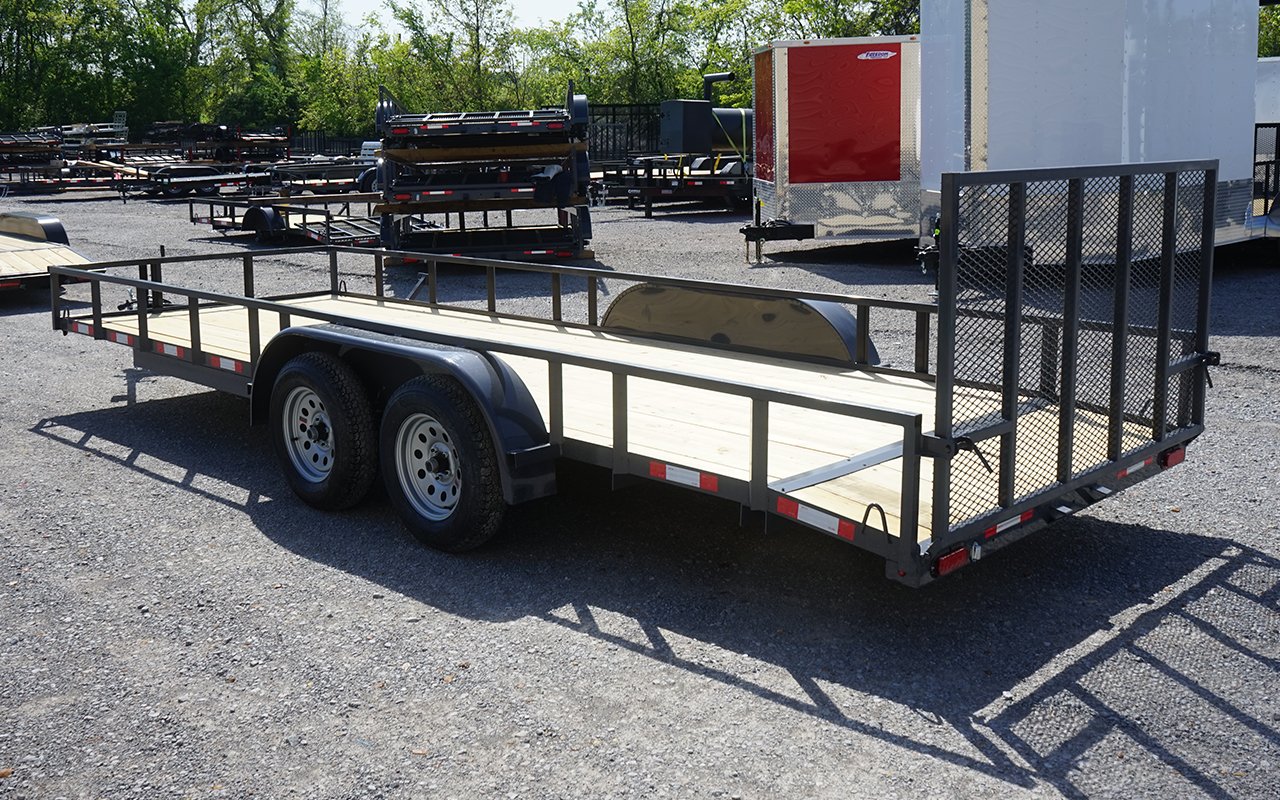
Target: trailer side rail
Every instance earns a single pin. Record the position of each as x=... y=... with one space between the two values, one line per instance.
x=757 y=493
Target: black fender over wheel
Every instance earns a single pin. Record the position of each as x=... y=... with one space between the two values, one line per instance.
x=439 y=465
x=322 y=430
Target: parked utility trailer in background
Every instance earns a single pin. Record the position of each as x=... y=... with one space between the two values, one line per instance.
x=29 y=245
x=1026 y=395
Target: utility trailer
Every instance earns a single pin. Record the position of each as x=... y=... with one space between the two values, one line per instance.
x=704 y=153
x=649 y=179
x=327 y=219
x=29 y=245
x=1025 y=396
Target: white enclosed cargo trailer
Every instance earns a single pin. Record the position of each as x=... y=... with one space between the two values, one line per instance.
x=1003 y=85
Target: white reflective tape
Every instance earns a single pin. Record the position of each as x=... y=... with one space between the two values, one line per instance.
x=819 y=519
x=687 y=477
x=1007 y=524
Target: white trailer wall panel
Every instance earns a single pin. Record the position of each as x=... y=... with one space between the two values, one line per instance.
x=1267 y=96
x=1010 y=84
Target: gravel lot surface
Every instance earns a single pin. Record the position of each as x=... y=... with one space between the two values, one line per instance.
x=174 y=623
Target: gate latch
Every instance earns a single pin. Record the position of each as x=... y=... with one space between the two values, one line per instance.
x=1210 y=359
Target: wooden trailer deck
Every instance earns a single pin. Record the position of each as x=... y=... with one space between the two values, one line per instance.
x=26 y=254
x=698 y=429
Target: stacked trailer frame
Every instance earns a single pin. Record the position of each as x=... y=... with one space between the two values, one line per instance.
x=327 y=219
x=1042 y=393
x=490 y=163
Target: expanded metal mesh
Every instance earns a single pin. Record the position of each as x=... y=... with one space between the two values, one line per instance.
x=1067 y=290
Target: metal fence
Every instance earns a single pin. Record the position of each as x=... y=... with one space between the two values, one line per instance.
x=620 y=131
x=1266 y=167
x=1073 y=310
x=319 y=143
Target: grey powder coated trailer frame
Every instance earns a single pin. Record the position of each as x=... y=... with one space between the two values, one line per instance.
x=1031 y=361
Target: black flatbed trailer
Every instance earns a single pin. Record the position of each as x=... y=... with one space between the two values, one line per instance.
x=1024 y=397
x=679 y=178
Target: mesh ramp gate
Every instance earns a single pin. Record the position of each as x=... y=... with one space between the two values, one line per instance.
x=1073 y=312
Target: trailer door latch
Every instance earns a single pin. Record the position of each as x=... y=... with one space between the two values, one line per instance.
x=965 y=443
x=1210 y=359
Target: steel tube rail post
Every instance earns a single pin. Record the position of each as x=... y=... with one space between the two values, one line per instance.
x=620 y=444
x=1070 y=330
x=593 y=316
x=1206 y=288
x=433 y=282
x=758 y=490
x=491 y=287
x=333 y=271
x=1164 y=313
x=909 y=505
x=1010 y=380
x=1120 y=318
x=948 y=259
x=193 y=321
x=557 y=309
x=864 y=334
x=922 y=343
x=378 y=275
x=248 y=275
x=555 y=400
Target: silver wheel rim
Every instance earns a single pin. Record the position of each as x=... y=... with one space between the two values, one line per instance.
x=428 y=466
x=308 y=434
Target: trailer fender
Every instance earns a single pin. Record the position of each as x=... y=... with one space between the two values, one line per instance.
x=384 y=362
x=40 y=227
x=264 y=221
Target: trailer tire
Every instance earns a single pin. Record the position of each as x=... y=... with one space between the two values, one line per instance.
x=323 y=431
x=439 y=465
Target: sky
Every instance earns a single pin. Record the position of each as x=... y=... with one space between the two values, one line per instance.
x=527 y=12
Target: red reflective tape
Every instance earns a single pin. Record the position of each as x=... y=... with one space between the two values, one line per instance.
x=788 y=507
x=845 y=529
x=708 y=482
x=658 y=470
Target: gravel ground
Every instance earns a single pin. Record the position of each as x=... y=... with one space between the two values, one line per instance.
x=174 y=623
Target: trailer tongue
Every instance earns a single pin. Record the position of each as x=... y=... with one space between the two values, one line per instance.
x=1030 y=392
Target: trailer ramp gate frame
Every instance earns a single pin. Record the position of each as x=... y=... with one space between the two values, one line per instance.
x=1070 y=362
x=1074 y=311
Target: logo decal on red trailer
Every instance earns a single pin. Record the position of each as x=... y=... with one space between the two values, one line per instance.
x=876 y=55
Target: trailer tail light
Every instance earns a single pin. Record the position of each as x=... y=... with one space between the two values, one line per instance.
x=1133 y=468
x=564 y=254
x=951 y=562
x=10 y=284
x=821 y=520
x=555 y=126
x=1174 y=457
x=399 y=131
x=403 y=197
x=1001 y=527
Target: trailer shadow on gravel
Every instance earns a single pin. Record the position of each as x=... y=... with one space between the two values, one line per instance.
x=1070 y=660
